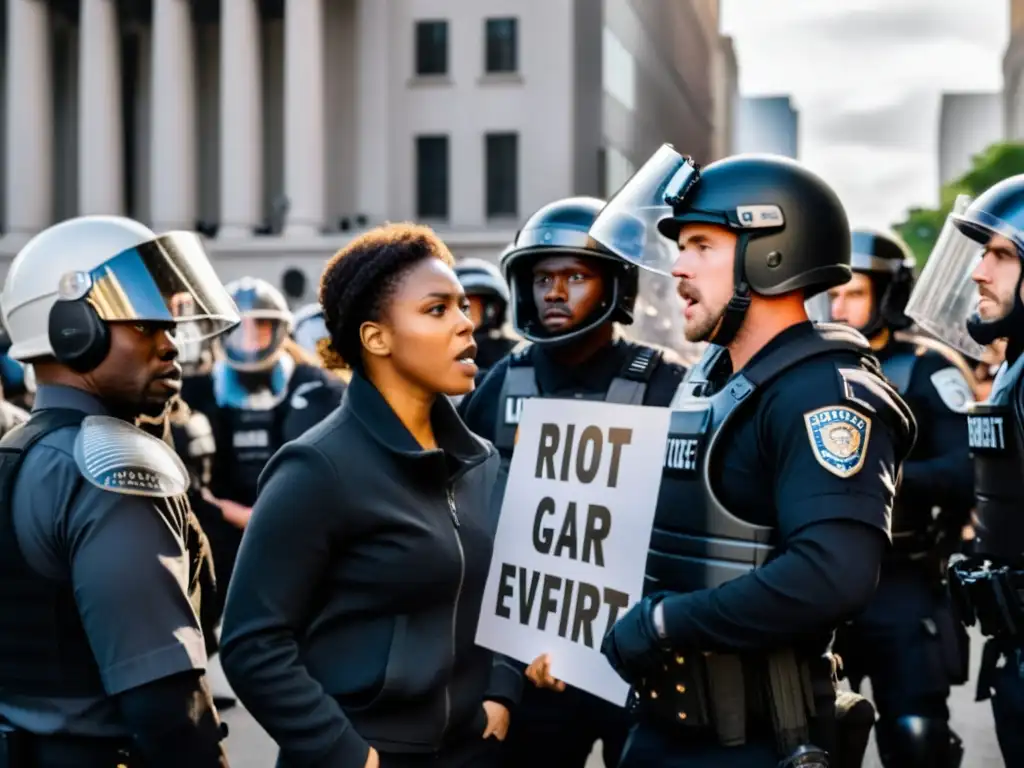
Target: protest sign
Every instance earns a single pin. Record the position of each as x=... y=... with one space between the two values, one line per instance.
x=571 y=543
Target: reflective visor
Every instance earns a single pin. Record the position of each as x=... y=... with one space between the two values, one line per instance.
x=152 y=282
x=254 y=342
x=945 y=297
x=628 y=224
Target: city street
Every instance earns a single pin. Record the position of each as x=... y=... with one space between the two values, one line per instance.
x=250 y=747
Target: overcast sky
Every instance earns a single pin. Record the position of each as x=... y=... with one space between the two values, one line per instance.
x=866 y=76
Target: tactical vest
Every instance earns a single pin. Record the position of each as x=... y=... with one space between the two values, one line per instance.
x=246 y=439
x=994 y=436
x=44 y=650
x=628 y=388
x=697 y=543
x=914 y=528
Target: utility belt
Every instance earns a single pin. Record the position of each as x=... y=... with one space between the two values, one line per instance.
x=733 y=699
x=21 y=749
x=991 y=595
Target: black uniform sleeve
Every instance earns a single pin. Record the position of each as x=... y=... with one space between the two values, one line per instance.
x=130 y=571
x=833 y=516
x=285 y=551
x=944 y=477
x=174 y=722
x=478 y=409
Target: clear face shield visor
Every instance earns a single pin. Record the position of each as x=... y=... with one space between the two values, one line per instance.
x=628 y=224
x=946 y=296
x=155 y=282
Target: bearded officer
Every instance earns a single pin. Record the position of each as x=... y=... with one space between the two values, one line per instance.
x=256 y=399
x=908 y=642
x=969 y=295
x=568 y=294
x=488 y=296
x=101 y=654
x=771 y=525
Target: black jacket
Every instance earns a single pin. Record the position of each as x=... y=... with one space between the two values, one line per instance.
x=352 y=612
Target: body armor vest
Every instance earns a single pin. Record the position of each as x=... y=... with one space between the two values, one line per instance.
x=246 y=438
x=697 y=543
x=914 y=529
x=993 y=429
x=44 y=650
x=628 y=388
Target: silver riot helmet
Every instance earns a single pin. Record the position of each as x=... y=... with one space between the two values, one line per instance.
x=85 y=273
x=309 y=328
x=959 y=297
x=255 y=344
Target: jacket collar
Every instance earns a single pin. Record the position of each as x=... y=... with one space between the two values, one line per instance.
x=460 y=447
x=60 y=396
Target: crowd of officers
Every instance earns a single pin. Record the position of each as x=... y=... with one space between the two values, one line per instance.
x=837 y=476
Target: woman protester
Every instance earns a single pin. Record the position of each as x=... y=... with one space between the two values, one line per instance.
x=350 y=620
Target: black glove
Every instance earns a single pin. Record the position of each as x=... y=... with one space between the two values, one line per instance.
x=632 y=646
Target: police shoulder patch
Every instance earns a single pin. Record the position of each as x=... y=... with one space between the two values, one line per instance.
x=953 y=389
x=839 y=438
x=119 y=457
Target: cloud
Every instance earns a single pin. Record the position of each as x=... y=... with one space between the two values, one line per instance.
x=866 y=77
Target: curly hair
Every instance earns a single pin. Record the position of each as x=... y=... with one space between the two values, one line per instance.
x=360 y=279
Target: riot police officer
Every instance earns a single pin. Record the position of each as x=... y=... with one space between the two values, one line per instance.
x=969 y=295
x=568 y=294
x=908 y=642
x=771 y=531
x=488 y=297
x=101 y=654
x=256 y=399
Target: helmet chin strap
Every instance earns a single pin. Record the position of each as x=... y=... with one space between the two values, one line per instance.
x=736 y=310
x=1010 y=325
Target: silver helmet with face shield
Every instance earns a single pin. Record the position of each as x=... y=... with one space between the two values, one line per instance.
x=255 y=344
x=122 y=270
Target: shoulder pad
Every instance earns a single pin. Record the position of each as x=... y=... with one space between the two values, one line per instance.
x=298 y=399
x=201 y=441
x=118 y=457
x=953 y=389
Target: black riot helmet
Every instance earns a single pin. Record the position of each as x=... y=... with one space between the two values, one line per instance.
x=889 y=262
x=793 y=233
x=561 y=228
x=254 y=345
x=945 y=299
x=483 y=279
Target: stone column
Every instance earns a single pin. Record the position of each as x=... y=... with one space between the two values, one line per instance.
x=304 y=116
x=100 y=129
x=173 y=151
x=29 y=146
x=241 y=119
x=373 y=91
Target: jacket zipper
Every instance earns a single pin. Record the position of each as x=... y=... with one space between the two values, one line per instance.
x=458 y=594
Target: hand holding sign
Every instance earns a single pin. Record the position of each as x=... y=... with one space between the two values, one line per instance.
x=572 y=540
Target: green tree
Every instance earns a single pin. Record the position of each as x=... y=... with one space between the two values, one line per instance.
x=922 y=226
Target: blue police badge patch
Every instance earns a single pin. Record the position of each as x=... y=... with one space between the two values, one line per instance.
x=839 y=438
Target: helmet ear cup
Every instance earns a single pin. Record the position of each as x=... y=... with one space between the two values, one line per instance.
x=79 y=338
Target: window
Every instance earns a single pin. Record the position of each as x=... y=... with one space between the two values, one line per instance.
x=501 y=45
x=432 y=177
x=431 y=47
x=618 y=69
x=502 y=174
